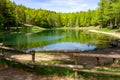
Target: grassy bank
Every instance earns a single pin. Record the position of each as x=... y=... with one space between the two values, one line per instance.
x=92 y=28
x=80 y=28
x=109 y=30
x=23 y=29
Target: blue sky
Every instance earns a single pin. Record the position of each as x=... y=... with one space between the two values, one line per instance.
x=60 y=5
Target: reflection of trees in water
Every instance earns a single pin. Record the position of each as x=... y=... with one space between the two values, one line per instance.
x=47 y=37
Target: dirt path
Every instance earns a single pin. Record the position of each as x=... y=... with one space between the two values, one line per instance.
x=7 y=73
x=108 y=33
x=68 y=57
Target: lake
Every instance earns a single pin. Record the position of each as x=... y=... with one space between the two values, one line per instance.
x=55 y=40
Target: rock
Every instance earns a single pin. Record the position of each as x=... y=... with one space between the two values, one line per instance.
x=115 y=43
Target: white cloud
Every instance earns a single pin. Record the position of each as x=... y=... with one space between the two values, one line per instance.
x=66 y=2
x=60 y=5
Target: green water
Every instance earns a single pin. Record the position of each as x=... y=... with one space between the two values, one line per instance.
x=55 y=40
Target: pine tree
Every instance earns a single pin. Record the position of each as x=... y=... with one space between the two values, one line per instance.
x=7 y=9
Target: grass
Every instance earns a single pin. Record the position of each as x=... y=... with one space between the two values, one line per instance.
x=32 y=29
x=40 y=70
x=109 y=70
x=100 y=76
x=51 y=71
x=80 y=28
x=25 y=29
x=49 y=61
x=55 y=62
x=108 y=30
x=36 y=28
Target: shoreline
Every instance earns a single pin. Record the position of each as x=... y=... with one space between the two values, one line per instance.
x=107 y=33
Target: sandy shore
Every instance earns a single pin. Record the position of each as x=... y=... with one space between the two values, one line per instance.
x=108 y=33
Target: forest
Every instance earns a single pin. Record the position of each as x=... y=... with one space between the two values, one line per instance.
x=106 y=15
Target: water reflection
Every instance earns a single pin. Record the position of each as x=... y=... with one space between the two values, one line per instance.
x=48 y=38
x=65 y=46
x=55 y=40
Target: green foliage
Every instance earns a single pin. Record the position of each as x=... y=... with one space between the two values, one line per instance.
x=2 y=20
x=7 y=10
x=42 y=70
x=53 y=71
x=107 y=14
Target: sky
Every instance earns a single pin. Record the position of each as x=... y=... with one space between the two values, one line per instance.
x=60 y=5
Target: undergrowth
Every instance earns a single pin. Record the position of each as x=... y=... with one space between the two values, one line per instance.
x=46 y=71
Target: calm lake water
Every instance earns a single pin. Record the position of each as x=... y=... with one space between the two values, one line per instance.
x=55 y=40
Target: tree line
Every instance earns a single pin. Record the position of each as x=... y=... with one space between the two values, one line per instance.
x=106 y=15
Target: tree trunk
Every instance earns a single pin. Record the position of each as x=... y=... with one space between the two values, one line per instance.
x=111 y=24
x=119 y=25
